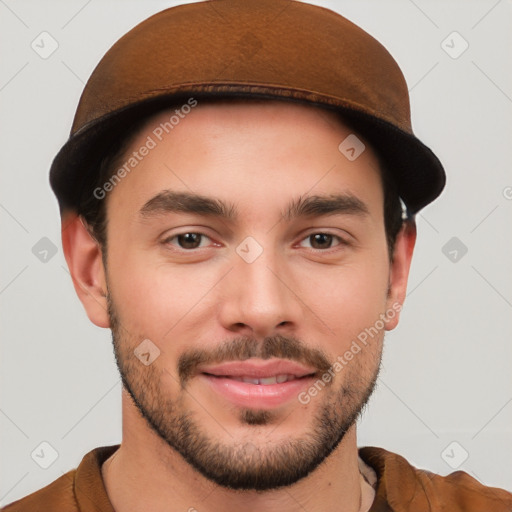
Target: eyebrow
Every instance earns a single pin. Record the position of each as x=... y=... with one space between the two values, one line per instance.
x=310 y=206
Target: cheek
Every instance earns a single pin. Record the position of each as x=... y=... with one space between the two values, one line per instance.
x=155 y=299
x=141 y=297
x=349 y=299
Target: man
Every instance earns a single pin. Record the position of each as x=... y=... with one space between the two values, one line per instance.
x=231 y=208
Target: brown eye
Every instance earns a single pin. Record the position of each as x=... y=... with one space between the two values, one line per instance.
x=321 y=241
x=186 y=240
x=189 y=240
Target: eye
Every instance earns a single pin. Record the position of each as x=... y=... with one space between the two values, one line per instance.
x=187 y=240
x=322 y=240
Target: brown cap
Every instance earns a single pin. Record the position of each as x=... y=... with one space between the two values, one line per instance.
x=276 y=49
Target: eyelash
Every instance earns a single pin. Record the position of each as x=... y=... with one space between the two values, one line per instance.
x=341 y=241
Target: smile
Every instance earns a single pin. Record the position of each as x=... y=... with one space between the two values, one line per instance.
x=257 y=384
x=264 y=381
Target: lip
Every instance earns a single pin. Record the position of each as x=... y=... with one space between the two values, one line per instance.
x=257 y=369
x=221 y=379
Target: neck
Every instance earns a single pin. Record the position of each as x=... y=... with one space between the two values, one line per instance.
x=146 y=474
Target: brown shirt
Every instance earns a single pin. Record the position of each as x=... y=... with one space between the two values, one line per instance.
x=400 y=487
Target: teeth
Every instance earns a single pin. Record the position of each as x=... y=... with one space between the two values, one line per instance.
x=268 y=380
x=265 y=381
x=250 y=380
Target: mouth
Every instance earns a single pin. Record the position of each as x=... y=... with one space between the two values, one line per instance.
x=257 y=383
x=264 y=381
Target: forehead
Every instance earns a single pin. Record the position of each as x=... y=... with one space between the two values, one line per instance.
x=239 y=149
x=244 y=113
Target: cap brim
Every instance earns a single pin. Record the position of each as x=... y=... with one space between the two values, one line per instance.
x=419 y=174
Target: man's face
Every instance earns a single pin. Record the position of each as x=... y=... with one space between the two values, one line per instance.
x=248 y=312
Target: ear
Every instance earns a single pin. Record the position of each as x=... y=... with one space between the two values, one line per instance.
x=83 y=256
x=399 y=273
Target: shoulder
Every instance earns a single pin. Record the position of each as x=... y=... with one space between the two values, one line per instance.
x=469 y=494
x=56 y=497
x=403 y=487
x=80 y=489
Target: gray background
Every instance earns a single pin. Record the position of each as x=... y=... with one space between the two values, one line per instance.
x=446 y=376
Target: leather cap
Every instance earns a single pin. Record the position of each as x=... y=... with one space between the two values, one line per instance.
x=276 y=49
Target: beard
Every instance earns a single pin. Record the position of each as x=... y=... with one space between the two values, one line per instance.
x=245 y=465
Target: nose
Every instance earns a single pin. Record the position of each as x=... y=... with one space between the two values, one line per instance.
x=259 y=299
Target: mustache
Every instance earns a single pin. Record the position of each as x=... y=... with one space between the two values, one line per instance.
x=240 y=349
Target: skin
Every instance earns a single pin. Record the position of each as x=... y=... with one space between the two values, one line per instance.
x=259 y=157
